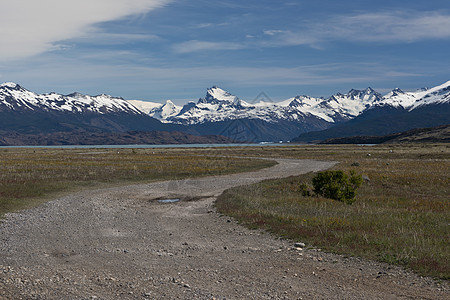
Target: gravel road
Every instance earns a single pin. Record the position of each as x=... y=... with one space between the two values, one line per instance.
x=120 y=243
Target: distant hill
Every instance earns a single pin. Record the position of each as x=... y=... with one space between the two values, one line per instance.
x=107 y=138
x=381 y=121
x=439 y=134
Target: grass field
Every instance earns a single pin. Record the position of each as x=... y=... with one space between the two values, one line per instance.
x=401 y=216
x=29 y=177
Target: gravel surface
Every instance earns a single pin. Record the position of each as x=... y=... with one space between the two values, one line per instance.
x=121 y=243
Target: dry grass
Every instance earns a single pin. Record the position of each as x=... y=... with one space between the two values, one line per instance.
x=29 y=177
x=401 y=215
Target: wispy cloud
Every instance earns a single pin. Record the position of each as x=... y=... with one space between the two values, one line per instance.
x=176 y=79
x=281 y=38
x=393 y=26
x=385 y=27
x=194 y=46
x=107 y=38
x=273 y=32
x=30 y=27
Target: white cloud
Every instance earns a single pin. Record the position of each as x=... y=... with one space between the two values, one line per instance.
x=385 y=27
x=30 y=27
x=194 y=46
x=394 y=26
x=273 y=32
x=204 y=25
x=382 y=27
x=152 y=81
x=104 y=38
x=113 y=76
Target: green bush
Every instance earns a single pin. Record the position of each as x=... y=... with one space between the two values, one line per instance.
x=305 y=190
x=337 y=185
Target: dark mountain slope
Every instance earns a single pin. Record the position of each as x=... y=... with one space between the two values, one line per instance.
x=439 y=134
x=384 y=120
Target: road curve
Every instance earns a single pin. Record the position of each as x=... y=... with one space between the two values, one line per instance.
x=120 y=243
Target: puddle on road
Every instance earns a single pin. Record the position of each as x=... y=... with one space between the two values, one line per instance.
x=168 y=200
x=175 y=199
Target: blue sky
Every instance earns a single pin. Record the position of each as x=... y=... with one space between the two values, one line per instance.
x=175 y=49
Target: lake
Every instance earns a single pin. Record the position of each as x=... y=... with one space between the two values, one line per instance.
x=149 y=146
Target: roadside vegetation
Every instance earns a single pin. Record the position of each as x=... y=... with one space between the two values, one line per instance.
x=400 y=215
x=29 y=177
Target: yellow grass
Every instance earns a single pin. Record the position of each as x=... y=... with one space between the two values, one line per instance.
x=400 y=216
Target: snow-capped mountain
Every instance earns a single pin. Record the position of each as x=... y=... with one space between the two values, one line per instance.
x=412 y=100
x=157 y=110
x=165 y=111
x=397 y=111
x=145 y=106
x=14 y=97
x=24 y=111
x=222 y=113
x=219 y=105
x=286 y=119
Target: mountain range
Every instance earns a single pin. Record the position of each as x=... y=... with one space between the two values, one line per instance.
x=300 y=118
x=219 y=105
x=358 y=112
x=398 y=111
x=24 y=111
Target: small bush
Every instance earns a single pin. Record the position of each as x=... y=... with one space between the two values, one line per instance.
x=337 y=185
x=305 y=190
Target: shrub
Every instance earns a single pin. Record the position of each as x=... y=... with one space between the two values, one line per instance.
x=337 y=185
x=305 y=190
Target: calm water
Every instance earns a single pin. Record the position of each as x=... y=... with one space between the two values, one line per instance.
x=148 y=146
x=169 y=200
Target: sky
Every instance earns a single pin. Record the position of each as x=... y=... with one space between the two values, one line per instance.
x=175 y=49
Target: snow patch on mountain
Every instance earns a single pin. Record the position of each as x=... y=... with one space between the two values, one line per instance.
x=9 y=85
x=412 y=100
x=220 y=105
x=309 y=105
x=437 y=95
x=15 y=97
x=165 y=111
x=145 y=106
x=216 y=93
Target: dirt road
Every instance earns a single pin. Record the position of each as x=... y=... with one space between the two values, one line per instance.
x=120 y=243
